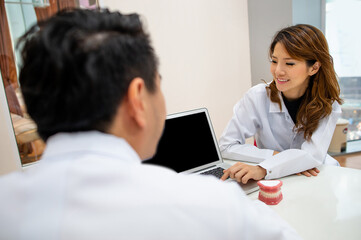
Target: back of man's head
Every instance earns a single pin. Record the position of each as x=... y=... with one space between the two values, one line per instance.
x=77 y=67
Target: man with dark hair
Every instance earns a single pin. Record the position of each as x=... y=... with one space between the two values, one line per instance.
x=90 y=81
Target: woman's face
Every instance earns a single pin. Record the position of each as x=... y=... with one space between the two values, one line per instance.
x=291 y=75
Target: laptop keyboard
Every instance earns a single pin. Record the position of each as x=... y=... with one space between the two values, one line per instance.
x=217 y=172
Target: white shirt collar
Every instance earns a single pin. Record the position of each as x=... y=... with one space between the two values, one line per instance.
x=91 y=141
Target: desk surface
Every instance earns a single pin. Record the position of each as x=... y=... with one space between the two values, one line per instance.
x=324 y=207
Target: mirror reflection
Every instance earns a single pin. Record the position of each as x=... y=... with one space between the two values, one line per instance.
x=15 y=18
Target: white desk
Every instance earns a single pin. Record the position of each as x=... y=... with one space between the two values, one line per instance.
x=324 y=207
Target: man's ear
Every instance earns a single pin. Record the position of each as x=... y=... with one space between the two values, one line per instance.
x=136 y=101
x=314 y=69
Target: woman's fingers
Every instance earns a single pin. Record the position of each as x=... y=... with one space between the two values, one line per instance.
x=230 y=172
x=310 y=172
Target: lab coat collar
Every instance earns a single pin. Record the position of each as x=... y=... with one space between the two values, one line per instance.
x=90 y=142
x=275 y=108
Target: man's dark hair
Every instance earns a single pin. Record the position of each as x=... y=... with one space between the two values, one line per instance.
x=77 y=67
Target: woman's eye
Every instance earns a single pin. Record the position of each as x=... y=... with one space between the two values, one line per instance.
x=290 y=64
x=273 y=61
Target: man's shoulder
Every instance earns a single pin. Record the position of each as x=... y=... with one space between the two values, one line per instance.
x=142 y=180
x=158 y=193
x=196 y=187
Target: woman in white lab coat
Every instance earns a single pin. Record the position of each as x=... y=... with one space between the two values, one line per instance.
x=292 y=118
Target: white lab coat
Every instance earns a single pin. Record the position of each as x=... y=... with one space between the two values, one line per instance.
x=255 y=115
x=93 y=186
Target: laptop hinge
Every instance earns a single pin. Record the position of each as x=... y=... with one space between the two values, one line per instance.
x=204 y=168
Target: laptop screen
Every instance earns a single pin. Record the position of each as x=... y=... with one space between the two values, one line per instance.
x=187 y=142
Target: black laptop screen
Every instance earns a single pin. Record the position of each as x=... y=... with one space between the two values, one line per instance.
x=187 y=142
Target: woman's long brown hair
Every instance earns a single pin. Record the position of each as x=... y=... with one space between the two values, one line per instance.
x=305 y=42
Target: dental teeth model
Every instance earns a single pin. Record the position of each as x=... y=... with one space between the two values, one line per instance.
x=270 y=191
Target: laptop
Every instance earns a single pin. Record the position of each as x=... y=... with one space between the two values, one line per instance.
x=189 y=146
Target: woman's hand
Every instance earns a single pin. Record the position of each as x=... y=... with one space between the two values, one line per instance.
x=309 y=172
x=242 y=172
